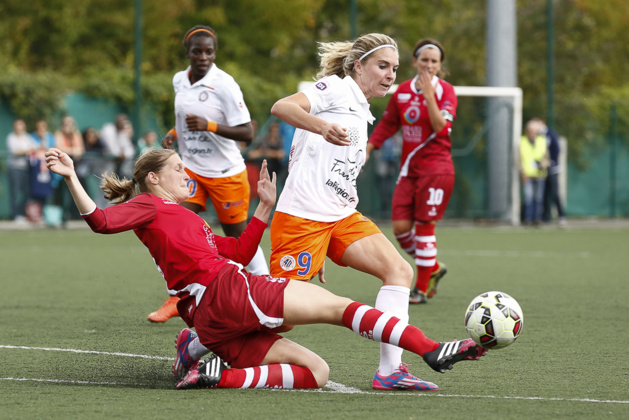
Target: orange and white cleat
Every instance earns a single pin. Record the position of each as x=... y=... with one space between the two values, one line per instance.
x=166 y=311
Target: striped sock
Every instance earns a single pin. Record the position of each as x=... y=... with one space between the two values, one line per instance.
x=425 y=254
x=407 y=242
x=386 y=328
x=276 y=376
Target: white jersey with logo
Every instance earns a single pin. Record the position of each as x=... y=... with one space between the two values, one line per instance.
x=321 y=183
x=217 y=97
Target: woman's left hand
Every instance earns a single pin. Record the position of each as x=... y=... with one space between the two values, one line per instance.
x=59 y=162
x=267 y=190
x=195 y=123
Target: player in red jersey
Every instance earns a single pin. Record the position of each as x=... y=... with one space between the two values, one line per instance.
x=234 y=312
x=425 y=108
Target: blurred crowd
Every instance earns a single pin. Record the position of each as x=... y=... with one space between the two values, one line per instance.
x=36 y=195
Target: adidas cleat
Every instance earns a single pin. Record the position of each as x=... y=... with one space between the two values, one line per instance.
x=450 y=352
x=184 y=362
x=417 y=296
x=434 y=279
x=401 y=380
x=206 y=375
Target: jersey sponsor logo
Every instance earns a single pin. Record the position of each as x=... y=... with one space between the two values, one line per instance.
x=197 y=151
x=321 y=86
x=287 y=262
x=354 y=135
x=432 y=212
x=340 y=191
x=278 y=280
x=352 y=109
x=404 y=97
x=411 y=115
x=231 y=204
x=203 y=96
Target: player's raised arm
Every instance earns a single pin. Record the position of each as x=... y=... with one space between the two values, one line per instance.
x=267 y=192
x=60 y=163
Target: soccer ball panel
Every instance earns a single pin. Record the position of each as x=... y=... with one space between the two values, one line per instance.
x=494 y=320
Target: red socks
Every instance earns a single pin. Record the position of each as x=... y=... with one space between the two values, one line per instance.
x=383 y=327
x=269 y=376
x=407 y=242
x=425 y=254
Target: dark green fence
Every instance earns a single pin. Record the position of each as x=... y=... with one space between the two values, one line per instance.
x=600 y=188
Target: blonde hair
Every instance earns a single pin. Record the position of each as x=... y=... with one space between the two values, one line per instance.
x=120 y=190
x=337 y=58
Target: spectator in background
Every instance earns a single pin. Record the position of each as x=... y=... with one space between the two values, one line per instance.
x=386 y=163
x=551 y=195
x=69 y=140
x=148 y=142
x=43 y=182
x=533 y=164
x=93 y=164
x=271 y=148
x=44 y=138
x=117 y=139
x=20 y=145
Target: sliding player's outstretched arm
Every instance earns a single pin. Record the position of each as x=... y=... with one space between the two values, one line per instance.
x=60 y=163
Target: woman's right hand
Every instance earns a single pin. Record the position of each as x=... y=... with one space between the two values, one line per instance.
x=59 y=162
x=335 y=134
x=168 y=141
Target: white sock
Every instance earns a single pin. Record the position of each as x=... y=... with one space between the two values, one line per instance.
x=196 y=349
x=393 y=299
x=258 y=264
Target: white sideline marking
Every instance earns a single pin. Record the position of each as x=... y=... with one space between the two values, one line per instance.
x=336 y=388
x=143 y=356
x=63 y=381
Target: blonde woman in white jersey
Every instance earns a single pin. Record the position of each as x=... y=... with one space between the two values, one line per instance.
x=316 y=212
x=211 y=116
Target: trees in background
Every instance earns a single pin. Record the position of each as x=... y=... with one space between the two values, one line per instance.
x=53 y=46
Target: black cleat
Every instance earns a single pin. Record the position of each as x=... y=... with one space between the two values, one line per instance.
x=450 y=352
x=207 y=375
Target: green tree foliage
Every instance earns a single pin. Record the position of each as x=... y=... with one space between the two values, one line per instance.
x=268 y=46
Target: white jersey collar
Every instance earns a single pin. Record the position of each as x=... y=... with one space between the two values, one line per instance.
x=206 y=79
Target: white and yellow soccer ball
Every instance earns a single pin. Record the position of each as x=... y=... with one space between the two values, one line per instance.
x=494 y=320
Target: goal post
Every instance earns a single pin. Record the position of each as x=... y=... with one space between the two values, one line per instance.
x=501 y=164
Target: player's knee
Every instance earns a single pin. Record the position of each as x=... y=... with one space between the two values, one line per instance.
x=400 y=273
x=321 y=372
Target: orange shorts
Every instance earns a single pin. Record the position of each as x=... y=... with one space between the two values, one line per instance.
x=230 y=195
x=299 y=246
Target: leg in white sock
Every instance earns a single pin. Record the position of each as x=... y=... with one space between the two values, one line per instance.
x=393 y=299
x=196 y=349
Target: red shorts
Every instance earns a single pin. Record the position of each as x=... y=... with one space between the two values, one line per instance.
x=423 y=198
x=236 y=314
x=299 y=246
x=229 y=195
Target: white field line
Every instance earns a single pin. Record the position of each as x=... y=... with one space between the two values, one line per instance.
x=86 y=352
x=335 y=387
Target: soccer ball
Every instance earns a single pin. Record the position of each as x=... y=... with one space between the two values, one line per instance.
x=494 y=320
